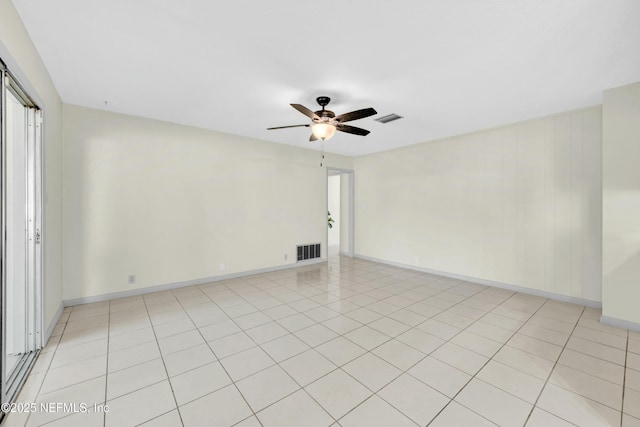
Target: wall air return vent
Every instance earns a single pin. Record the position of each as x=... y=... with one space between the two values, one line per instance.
x=308 y=251
x=388 y=118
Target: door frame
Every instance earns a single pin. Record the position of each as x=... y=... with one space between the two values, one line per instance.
x=34 y=308
x=351 y=205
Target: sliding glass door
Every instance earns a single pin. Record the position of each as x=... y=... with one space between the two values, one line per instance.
x=21 y=306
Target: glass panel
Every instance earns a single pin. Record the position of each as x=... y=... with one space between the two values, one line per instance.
x=16 y=237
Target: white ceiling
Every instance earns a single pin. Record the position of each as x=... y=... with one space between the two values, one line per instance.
x=448 y=67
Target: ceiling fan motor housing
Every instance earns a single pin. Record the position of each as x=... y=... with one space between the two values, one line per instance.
x=323 y=101
x=324 y=116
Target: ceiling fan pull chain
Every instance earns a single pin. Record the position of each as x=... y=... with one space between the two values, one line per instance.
x=322 y=160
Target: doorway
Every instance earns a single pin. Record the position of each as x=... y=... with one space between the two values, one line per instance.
x=340 y=226
x=20 y=247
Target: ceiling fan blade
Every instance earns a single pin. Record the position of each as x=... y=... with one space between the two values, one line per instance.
x=352 y=129
x=313 y=138
x=355 y=115
x=292 y=126
x=304 y=110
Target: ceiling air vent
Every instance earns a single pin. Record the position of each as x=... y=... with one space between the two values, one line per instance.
x=388 y=118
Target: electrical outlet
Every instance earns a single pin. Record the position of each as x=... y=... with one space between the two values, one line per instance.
x=222 y=266
x=436 y=262
x=286 y=257
x=132 y=279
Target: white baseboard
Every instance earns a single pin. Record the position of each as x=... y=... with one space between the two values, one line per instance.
x=524 y=290
x=176 y=285
x=52 y=325
x=619 y=323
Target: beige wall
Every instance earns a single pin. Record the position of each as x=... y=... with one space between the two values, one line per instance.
x=519 y=205
x=21 y=57
x=345 y=214
x=171 y=203
x=621 y=204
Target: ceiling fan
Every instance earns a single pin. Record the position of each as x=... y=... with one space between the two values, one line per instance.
x=324 y=123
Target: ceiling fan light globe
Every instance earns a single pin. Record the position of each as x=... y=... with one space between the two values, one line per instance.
x=323 y=131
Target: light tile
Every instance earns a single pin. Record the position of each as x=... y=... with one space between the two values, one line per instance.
x=592 y=365
x=135 y=377
x=442 y=377
x=632 y=402
x=439 y=329
x=279 y=311
x=494 y=404
x=511 y=380
x=247 y=362
x=88 y=350
x=408 y=317
x=601 y=337
x=461 y=358
x=252 y=421
x=372 y=371
x=284 y=347
x=398 y=354
x=181 y=341
x=131 y=339
x=490 y=331
x=198 y=382
x=171 y=328
x=132 y=356
x=74 y=373
x=632 y=379
x=89 y=392
x=219 y=330
x=456 y=415
x=421 y=341
x=338 y=393
x=341 y=324
x=629 y=421
x=540 y=418
x=321 y=314
x=140 y=406
x=633 y=361
x=295 y=410
x=375 y=412
x=476 y=343
x=169 y=419
x=266 y=387
x=535 y=346
x=525 y=362
x=231 y=344
x=222 y=408
x=266 y=332
x=364 y=315
x=389 y=326
x=595 y=349
x=586 y=385
x=544 y=334
x=576 y=409
x=413 y=398
x=186 y=360
x=296 y=322
x=307 y=367
x=315 y=335
x=340 y=350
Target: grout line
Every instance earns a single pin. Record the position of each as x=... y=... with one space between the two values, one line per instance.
x=535 y=405
x=363 y=283
x=624 y=380
x=487 y=362
x=163 y=364
x=106 y=372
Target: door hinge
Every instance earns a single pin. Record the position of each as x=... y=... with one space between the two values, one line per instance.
x=37 y=236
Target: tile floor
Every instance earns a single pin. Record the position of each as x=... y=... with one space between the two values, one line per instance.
x=345 y=343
